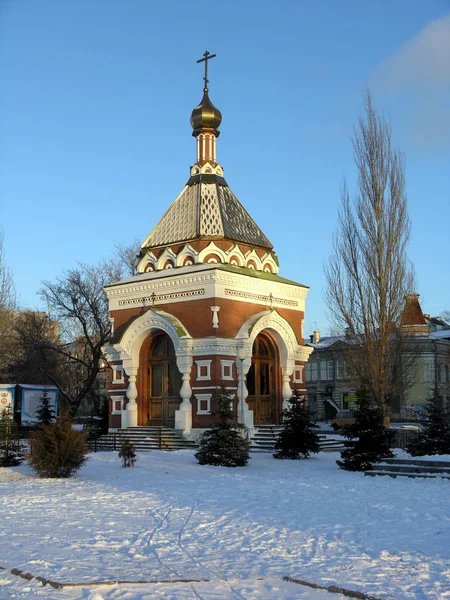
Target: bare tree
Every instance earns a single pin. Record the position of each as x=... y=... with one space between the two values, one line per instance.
x=129 y=257
x=7 y=307
x=368 y=273
x=78 y=312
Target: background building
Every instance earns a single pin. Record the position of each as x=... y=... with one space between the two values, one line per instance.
x=331 y=387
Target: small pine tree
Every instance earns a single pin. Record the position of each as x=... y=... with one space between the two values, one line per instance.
x=44 y=412
x=435 y=439
x=10 y=455
x=127 y=454
x=58 y=450
x=368 y=439
x=223 y=443
x=297 y=439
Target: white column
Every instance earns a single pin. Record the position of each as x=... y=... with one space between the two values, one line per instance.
x=215 y=316
x=245 y=415
x=129 y=415
x=183 y=416
x=287 y=390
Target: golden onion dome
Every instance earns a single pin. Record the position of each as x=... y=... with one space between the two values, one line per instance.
x=206 y=116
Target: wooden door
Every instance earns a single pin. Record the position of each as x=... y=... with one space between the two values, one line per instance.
x=261 y=382
x=164 y=382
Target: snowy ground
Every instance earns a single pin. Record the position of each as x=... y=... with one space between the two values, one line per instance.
x=169 y=518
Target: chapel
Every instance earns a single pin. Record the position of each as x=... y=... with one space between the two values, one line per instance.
x=207 y=309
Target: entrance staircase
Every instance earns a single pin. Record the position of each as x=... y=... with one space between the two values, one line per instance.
x=266 y=436
x=425 y=469
x=144 y=438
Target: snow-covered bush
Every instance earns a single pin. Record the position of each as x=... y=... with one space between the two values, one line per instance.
x=58 y=450
x=223 y=443
x=297 y=439
x=127 y=454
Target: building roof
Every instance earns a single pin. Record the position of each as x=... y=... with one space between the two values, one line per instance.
x=206 y=208
x=412 y=313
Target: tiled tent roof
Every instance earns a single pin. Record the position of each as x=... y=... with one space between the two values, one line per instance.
x=412 y=313
x=206 y=210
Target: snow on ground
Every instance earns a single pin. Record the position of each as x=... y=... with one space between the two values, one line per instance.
x=169 y=518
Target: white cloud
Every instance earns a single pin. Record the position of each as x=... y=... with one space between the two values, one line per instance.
x=419 y=74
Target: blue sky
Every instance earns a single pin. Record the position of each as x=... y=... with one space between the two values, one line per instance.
x=95 y=139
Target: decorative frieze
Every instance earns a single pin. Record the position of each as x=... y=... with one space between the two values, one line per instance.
x=260 y=298
x=154 y=298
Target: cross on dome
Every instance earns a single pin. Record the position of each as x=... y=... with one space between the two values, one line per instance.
x=206 y=56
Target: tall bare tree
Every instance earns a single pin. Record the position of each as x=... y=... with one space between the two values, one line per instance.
x=7 y=306
x=128 y=257
x=368 y=273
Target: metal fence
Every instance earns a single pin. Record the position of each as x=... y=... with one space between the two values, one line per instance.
x=403 y=437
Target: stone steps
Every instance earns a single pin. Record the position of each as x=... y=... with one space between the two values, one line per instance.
x=266 y=436
x=425 y=469
x=143 y=439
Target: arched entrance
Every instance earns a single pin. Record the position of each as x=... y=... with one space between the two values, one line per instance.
x=161 y=382
x=263 y=380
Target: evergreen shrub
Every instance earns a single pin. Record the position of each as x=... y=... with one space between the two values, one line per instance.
x=44 y=412
x=224 y=444
x=127 y=454
x=58 y=450
x=435 y=439
x=10 y=451
x=368 y=440
x=298 y=438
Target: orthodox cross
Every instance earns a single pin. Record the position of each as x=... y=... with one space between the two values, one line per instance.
x=207 y=56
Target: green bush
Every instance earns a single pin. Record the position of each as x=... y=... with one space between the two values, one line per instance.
x=368 y=440
x=297 y=439
x=127 y=454
x=435 y=439
x=58 y=450
x=223 y=443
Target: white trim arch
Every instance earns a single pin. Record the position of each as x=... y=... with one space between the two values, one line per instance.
x=165 y=256
x=129 y=348
x=280 y=329
x=149 y=258
x=186 y=252
x=285 y=338
x=152 y=320
x=212 y=249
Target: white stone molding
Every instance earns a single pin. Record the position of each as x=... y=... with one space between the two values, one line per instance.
x=186 y=252
x=203 y=365
x=211 y=248
x=286 y=390
x=215 y=316
x=166 y=255
x=117 y=374
x=268 y=259
x=127 y=350
x=148 y=259
x=226 y=369
x=129 y=415
x=244 y=414
x=116 y=404
x=298 y=374
x=213 y=346
x=183 y=416
x=208 y=277
x=280 y=329
x=253 y=256
x=203 y=398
